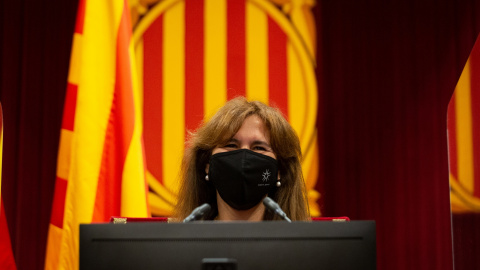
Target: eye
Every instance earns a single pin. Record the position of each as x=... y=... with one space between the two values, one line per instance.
x=259 y=148
x=230 y=145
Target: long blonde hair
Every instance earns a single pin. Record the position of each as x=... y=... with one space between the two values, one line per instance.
x=194 y=190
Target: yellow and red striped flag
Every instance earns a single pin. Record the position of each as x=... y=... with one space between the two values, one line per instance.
x=463 y=123
x=7 y=262
x=101 y=161
x=194 y=55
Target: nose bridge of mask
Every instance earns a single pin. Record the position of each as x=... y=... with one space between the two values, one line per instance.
x=244 y=176
x=245 y=164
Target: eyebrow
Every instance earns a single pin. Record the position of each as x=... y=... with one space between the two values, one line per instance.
x=254 y=142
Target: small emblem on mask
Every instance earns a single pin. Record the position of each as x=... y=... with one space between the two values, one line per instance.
x=266 y=175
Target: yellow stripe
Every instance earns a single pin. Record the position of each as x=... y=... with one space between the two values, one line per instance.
x=169 y=197
x=95 y=95
x=463 y=200
x=54 y=249
x=96 y=79
x=297 y=108
x=64 y=153
x=173 y=94
x=75 y=59
x=150 y=17
x=310 y=169
x=159 y=205
x=305 y=61
x=256 y=53
x=463 y=112
x=457 y=205
x=302 y=91
x=134 y=192
x=296 y=92
x=301 y=17
x=215 y=93
x=312 y=32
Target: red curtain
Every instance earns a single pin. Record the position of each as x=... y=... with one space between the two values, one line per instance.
x=466 y=242
x=36 y=38
x=388 y=70
x=386 y=73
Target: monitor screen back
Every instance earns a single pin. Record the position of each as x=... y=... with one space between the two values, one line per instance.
x=217 y=245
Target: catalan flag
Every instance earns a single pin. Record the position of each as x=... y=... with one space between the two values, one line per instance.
x=463 y=123
x=7 y=262
x=101 y=164
x=194 y=55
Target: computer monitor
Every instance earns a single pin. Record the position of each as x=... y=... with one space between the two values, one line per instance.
x=236 y=245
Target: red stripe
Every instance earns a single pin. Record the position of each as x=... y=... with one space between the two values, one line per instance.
x=235 y=48
x=80 y=17
x=59 y=202
x=475 y=105
x=119 y=130
x=7 y=261
x=153 y=89
x=277 y=65
x=452 y=138
x=68 y=121
x=194 y=73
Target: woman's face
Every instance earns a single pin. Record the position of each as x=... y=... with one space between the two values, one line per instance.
x=252 y=135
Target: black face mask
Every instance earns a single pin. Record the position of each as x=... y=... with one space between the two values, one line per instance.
x=242 y=177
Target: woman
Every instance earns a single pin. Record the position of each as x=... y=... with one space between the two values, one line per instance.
x=245 y=152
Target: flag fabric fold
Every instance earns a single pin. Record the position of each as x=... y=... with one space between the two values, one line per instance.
x=101 y=161
x=7 y=261
x=463 y=133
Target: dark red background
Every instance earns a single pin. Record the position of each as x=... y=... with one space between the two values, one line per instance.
x=386 y=73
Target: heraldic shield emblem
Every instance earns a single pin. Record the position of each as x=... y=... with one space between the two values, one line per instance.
x=194 y=55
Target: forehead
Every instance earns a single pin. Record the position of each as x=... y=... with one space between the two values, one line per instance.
x=253 y=127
